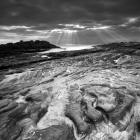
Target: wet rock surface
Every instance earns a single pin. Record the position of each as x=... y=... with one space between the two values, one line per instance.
x=88 y=97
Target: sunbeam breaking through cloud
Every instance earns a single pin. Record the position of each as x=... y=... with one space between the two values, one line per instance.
x=75 y=21
x=65 y=34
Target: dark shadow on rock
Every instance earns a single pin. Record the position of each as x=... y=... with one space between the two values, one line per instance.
x=124 y=104
x=74 y=112
x=55 y=132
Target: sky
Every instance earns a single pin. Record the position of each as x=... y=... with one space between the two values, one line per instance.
x=65 y=22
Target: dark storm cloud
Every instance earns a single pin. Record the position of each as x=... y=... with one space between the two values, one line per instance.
x=29 y=12
x=22 y=19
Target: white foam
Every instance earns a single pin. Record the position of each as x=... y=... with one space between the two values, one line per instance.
x=52 y=50
x=76 y=47
x=70 y=47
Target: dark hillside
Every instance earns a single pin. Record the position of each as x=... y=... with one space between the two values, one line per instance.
x=21 y=47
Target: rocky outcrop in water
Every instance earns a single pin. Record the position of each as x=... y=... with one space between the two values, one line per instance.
x=22 y=47
x=23 y=53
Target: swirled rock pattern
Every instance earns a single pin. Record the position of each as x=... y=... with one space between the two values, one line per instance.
x=94 y=96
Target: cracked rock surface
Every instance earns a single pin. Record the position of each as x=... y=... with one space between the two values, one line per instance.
x=94 y=96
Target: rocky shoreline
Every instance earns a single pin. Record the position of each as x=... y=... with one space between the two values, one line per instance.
x=78 y=95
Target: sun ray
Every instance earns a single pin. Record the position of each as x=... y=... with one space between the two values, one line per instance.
x=63 y=36
x=116 y=36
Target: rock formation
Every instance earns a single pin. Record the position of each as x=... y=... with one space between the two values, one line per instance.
x=77 y=96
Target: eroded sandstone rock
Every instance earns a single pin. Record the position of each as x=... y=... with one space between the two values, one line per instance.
x=55 y=132
x=74 y=112
x=95 y=94
x=91 y=112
